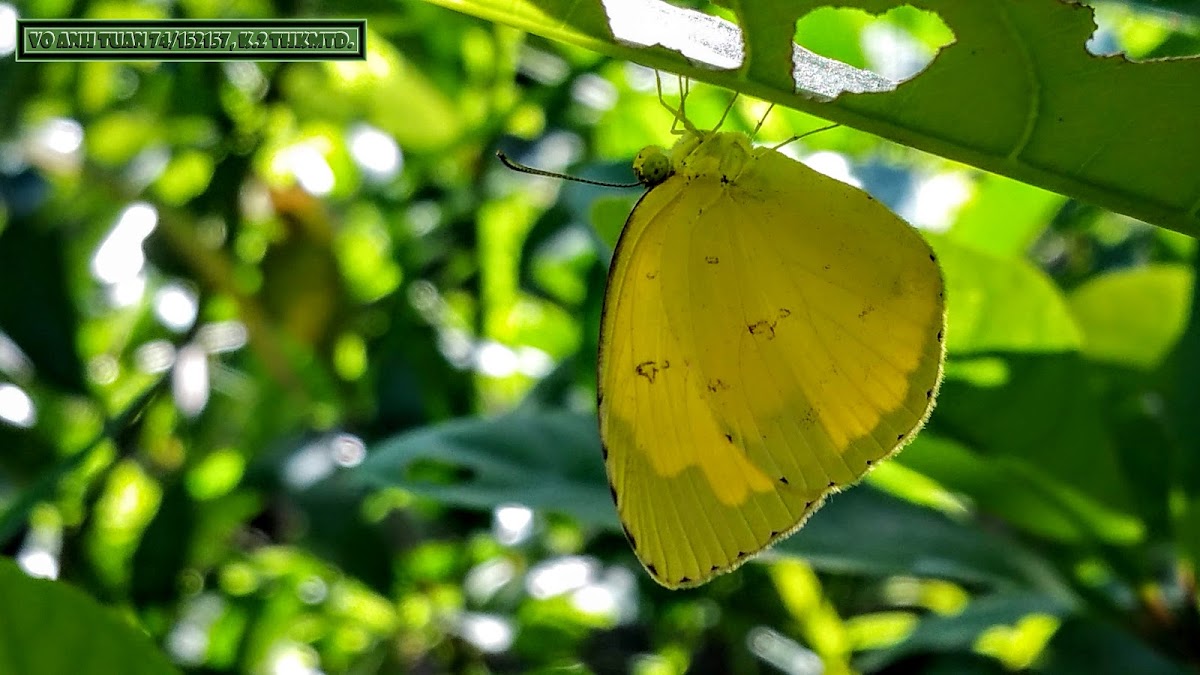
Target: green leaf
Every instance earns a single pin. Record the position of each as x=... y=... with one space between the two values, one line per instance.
x=1018 y=491
x=959 y=632
x=41 y=318
x=51 y=628
x=1017 y=93
x=551 y=460
x=865 y=531
x=1039 y=419
x=1001 y=304
x=1133 y=317
x=1005 y=217
x=544 y=459
x=1088 y=647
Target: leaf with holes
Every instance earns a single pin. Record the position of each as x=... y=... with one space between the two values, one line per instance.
x=1017 y=93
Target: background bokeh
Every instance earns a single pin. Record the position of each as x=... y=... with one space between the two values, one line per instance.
x=296 y=378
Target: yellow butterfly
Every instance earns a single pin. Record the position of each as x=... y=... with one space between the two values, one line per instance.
x=768 y=335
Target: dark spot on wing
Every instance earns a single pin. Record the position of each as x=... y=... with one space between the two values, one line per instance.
x=940 y=335
x=724 y=180
x=653 y=569
x=832 y=484
x=714 y=568
x=866 y=310
x=774 y=533
x=764 y=328
x=632 y=541
x=870 y=462
x=900 y=437
x=729 y=437
x=928 y=393
x=684 y=580
x=650 y=369
x=826 y=267
x=784 y=480
x=711 y=259
x=933 y=257
x=717 y=385
x=807 y=505
x=604 y=451
x=784 y=312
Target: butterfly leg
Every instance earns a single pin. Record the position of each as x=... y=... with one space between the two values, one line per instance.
x=761 y=121
x=793 y=139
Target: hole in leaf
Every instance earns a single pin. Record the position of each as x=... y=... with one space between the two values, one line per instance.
x=1143 y=34
x=895 y=45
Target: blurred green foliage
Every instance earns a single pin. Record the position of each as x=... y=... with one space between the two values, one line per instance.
x=295 y=378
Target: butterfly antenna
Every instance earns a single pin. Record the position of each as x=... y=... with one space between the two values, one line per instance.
x=761 y=120
x=793 y=139
x=517 y=166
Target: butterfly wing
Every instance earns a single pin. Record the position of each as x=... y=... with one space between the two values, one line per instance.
x=763 y=344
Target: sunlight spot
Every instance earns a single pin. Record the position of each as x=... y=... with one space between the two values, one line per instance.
x=348 y=450
x=544 y=67
x=560 y=575
x=176 y=306
x=293 y=658
x=156 y=356
x=936 y=201
x=247 y=77
x=61 y=137
x=148 y=165
x=489 y=633
x=188 y=640
x=456 y=346
x=16 y=407
x=127 y=292
x=423 y=217
x=495 y=360
x=486 y=579
x=832 y=164
x=8 y=29
x=312 y=591
x=222 y=336
x=103 y=369
x=38 y=563
x=120 y=257
x=595 y=599
x=594 y=92
x=307 y=163
x=189 y=380
x=376 y=152
x=534 y=362
x=893 y=53
x=784 y=653
x=308 y=465
x=12 y=360
x=512 y=524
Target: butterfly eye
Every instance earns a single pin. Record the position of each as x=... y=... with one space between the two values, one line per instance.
x=652 y=166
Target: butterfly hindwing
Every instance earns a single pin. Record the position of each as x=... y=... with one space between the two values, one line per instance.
x=765 y=341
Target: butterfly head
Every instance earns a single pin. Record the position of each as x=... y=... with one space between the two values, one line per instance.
x=652 y=165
